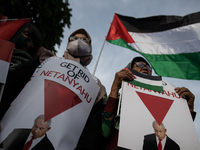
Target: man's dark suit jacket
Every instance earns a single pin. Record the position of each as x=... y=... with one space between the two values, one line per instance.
x=151 y=144
x=17 y=138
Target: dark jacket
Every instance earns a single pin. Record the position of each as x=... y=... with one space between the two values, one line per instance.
x=151 y=144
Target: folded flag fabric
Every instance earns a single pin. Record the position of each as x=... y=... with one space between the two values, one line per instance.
x=8 y=29
x=145 y=81
x=9 y=32
x=170 y=43
x=6 y=49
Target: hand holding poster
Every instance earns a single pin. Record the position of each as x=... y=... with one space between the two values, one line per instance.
x=141 y=107
x=61 y=90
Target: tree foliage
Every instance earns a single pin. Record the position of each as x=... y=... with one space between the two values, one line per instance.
x=50 y=17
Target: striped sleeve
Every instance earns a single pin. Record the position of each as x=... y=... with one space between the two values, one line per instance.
x=108 y=114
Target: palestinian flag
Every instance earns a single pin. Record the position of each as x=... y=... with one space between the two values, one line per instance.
x=145 y=81
x=170 y=43
x=6 y=49
x=9 y=32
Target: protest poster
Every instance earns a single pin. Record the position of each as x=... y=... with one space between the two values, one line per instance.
x=63 y=91
x=140 y=107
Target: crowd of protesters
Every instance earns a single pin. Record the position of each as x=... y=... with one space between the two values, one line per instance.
x=100 y=131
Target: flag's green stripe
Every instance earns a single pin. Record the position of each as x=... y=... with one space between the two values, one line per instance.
x=183 y=66
x=122 y=43
x=147 y=86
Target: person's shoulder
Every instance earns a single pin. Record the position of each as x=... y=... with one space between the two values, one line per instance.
x=48 y=143
x=21 y=129
x=169 y=139
x=46 y=138
x=172 y=142
x=149 y=135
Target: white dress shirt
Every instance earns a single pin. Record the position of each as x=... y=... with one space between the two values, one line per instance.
x=162 y=142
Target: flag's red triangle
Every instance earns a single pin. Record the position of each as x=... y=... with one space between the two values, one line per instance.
x=57 y=99
x=117 y=30
x=9 y=28
x=3 y=18
x=6 y=49
x=157 y=106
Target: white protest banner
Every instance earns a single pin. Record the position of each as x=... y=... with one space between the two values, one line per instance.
x=141 y=107
x=63 y=91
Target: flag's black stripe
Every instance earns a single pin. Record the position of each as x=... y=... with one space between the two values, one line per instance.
x=157 y=23
x=18 y=33
x=157 y=78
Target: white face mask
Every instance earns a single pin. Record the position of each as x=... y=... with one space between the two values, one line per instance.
x=79 y=48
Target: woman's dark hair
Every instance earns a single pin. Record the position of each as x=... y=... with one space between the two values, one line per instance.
x=35 y=37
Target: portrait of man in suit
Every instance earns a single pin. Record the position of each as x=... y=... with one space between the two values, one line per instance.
x=29 y=139
x=159 y=140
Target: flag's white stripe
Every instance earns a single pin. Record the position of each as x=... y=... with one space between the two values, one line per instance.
x=4 y=70
x=175 y=41
x=147 y=81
